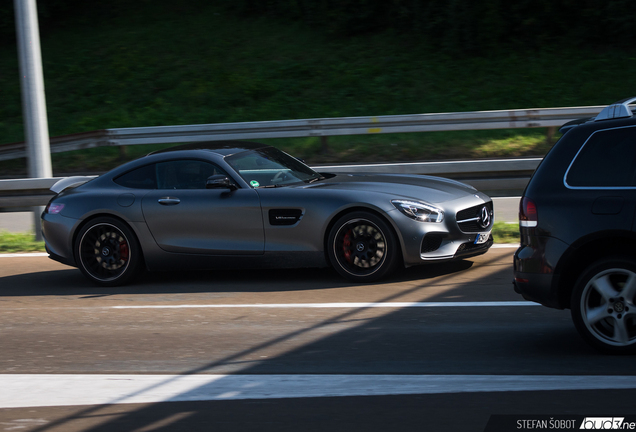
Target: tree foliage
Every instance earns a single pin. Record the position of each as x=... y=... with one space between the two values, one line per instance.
x=55 y=13
x=464 y=25
x=453 y=25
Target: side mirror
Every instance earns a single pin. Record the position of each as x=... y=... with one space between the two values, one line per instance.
x=219 y=181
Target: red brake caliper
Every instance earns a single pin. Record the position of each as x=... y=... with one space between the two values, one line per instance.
x=123 y=251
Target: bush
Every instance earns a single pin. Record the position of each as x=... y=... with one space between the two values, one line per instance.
x=463 y=25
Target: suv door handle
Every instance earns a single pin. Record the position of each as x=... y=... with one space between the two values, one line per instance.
x=168 y=201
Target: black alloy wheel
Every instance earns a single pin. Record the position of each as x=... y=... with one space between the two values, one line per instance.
x=362 y=247
x=108 y=252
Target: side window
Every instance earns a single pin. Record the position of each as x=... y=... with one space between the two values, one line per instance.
x=185 y=174
x=608 y=159
x=140 y=178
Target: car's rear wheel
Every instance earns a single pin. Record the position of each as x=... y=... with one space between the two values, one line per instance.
x=362 y=247
x=603 y=305
x=108 y=252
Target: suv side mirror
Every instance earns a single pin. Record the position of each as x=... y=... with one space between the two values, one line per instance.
x=219 y=181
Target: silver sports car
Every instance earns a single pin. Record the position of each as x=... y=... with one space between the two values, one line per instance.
x=238 y=204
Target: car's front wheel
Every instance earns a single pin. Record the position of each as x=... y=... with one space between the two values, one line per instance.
x=362 y=247
x=603 y=305
x=108 y=252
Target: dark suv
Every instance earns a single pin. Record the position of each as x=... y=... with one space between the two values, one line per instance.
x=578 y=233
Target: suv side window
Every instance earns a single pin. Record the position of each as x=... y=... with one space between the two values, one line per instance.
x=607 y=159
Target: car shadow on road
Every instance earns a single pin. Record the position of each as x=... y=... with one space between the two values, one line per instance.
x=521 y=340
x=70 y=281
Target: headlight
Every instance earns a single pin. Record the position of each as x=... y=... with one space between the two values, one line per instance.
x=419 y=211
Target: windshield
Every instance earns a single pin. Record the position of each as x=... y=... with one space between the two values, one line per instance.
x=270 y=167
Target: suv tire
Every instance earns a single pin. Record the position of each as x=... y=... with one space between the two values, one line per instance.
x=603 y=305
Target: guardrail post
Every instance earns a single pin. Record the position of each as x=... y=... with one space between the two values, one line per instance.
x=324 y=146
x=549 y=135
x=33 y=102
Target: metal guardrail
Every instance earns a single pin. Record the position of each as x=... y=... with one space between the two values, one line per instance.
x=496 y=177
x=322 y=127
x=23 y=193
x=452 y=169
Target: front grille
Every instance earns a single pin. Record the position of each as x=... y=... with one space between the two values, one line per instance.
x=471 y=248
x=469 y=220
x=431 y=242
x=468 y=246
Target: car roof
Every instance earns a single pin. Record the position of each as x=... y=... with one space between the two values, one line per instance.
x=223 y=148
x=617 y=111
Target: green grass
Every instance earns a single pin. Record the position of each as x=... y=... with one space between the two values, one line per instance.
x=504 y=232
x=185 y=63
x=19 y=242
x=24 y=242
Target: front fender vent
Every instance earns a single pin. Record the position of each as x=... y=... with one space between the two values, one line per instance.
x=285 y=216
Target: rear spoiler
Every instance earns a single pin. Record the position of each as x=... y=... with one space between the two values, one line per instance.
x=70 y=182
x=574 y=123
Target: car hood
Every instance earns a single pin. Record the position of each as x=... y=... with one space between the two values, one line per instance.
x=428 y=188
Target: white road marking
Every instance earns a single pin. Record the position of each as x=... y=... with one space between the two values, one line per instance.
x=23 y=255
x=337 y=305
x=65 y=390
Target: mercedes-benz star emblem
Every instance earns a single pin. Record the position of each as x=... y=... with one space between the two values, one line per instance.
x=484 y=217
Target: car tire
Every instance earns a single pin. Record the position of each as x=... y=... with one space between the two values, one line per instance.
x=107 y=252
x=362 y=247
x=603 y=305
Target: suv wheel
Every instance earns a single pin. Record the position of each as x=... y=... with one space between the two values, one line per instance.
x=603 y=305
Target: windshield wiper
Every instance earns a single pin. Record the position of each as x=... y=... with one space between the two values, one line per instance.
x=313 y=180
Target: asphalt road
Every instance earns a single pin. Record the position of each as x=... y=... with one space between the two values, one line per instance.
x=439 y=348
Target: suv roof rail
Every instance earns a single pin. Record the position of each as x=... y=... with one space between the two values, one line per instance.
x=618 y=109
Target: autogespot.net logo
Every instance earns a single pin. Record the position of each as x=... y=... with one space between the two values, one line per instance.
x=607 y=423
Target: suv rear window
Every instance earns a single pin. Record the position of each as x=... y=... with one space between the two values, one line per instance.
x=607 y=159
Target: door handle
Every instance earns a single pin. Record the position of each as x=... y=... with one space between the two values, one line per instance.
x=168 y=201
